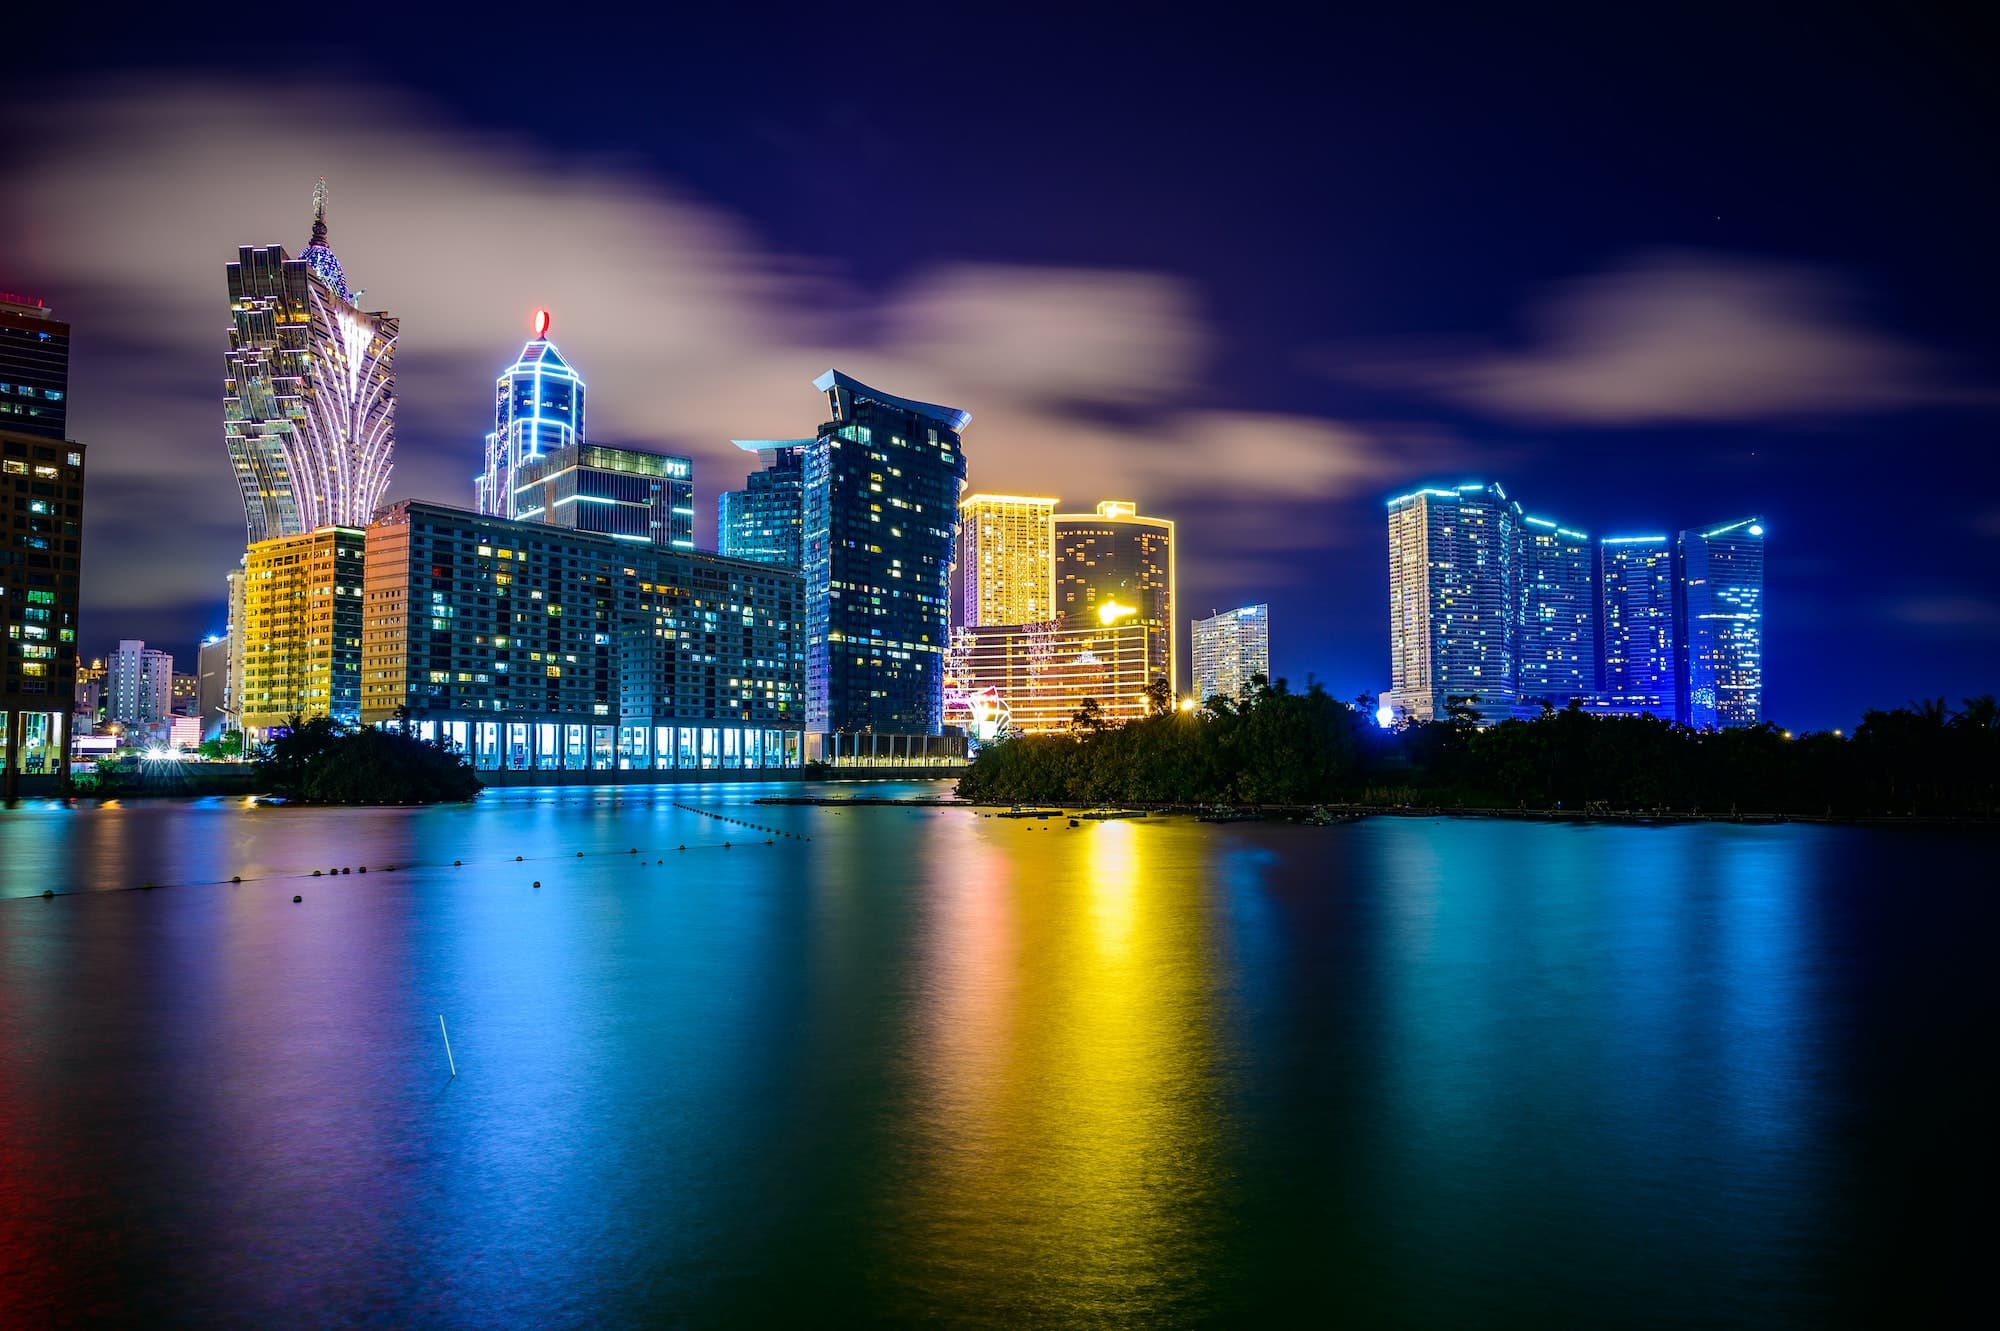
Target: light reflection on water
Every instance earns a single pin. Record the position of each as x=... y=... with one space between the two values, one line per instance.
x=938 y=1066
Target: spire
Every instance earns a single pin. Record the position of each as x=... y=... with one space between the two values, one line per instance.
x=319 y=212
x=318 y=254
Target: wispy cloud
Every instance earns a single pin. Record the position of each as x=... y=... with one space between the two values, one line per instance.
x=689 y=329
x=1949 y=612
x=1683 y=336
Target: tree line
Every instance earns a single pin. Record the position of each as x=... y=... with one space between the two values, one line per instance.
x=1276 y=746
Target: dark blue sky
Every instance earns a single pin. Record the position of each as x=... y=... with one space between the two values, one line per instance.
x=1544 y=250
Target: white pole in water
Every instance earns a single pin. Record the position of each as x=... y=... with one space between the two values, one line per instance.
x=447 y=1045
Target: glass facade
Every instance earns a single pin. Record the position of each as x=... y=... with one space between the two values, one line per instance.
x=1231 y=649
x=1556 y=633
x=1114 y=561
x=309 y=391
x=1006 y=558
x=764 y=519
x=1453 y=599
x=881 y=501
x=34 y=369
x=622 y=492
x=538 y=408
x=1721 y=603
x=539 y=647
x=41 y=558
x=1636 y=576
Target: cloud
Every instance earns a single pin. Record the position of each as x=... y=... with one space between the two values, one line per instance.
x=689 y=329
x=1949 y=612
x=1689 y=337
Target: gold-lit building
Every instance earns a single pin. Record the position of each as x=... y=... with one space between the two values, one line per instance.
x=1034 y=678
x=302 y=628
x=1117 y=557
x=1006 y=559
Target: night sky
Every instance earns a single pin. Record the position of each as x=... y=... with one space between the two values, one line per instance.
x=1650 y=268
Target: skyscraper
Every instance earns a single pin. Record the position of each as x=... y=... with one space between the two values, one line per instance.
x=1636 y=577
x=1721 y=604
x=537 y=408
x=34 y=369
x=41 y=559
x=881 y=502
x=1557 y=630
x=302 y=605
x=1006 y=559
x=1230 y=649
x=1453 y=588
x=1114 y=556
x=628 y=493
x=309 y=405
x=762 y=521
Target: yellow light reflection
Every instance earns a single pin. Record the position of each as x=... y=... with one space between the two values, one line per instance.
x=1066 y=1127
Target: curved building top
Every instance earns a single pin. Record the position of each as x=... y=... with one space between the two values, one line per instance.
x=950 y=417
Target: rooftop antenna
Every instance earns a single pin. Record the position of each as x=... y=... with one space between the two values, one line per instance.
x=319 y=212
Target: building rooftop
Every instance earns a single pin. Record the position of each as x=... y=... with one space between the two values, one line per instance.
x=950 y=417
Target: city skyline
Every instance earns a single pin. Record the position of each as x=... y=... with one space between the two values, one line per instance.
x=1610 y=338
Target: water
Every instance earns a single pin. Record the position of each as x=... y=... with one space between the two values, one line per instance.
x=931 y=1066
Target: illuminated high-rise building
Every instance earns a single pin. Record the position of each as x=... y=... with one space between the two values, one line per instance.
x=628 y=493
x=309 y=406
x=1231 y=649
x=1117 y=557
x=302 y=604
x=1556 y=628
x=1453 y=590
x=41 y=562
x=1006 y=559
x=1637 y=656
x=763 y=520
x=34 y=369
x=1720 y=599
x=537 y=408
x=881 y=504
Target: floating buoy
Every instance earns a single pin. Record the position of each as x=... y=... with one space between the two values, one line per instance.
x=297 y=900
x=538 y=882
x=458 y=864
x=351 y=871
x=316 y=873
x=725 y=846
x=633 y=851
x=48 y=893
x=517 y=859
x=364 y=868
x=579 y=854
x=681 y=847
x=237 y=879
x=388 y=868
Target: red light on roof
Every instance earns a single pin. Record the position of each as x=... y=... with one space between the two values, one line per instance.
x=541 y=323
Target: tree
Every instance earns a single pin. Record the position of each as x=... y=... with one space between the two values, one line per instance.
x=1089 y=718
x=1159 y=696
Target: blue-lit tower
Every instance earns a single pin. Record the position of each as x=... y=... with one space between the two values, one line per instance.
x=1720 y=599
x=538 y=409
x=763 y=520
x=1556 y=632
x=1636 y=578
x=1453 y=600
x=882 y=481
